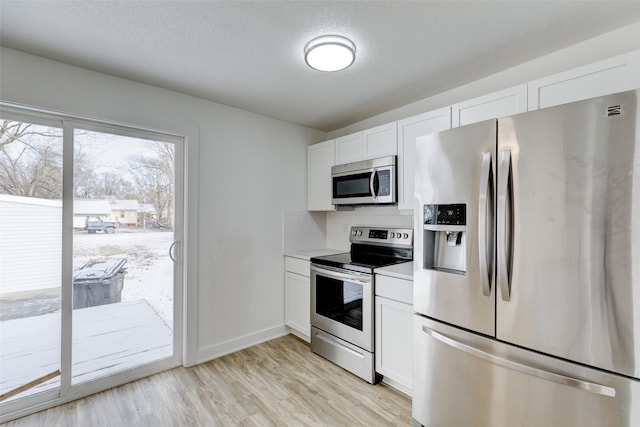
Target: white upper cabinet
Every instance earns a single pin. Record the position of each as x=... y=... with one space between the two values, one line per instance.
x=376 y=142
x=612 y=75
x=408 y=130
x=320 y=158
x=503 y=103
x=380 y=141
x=349 y=148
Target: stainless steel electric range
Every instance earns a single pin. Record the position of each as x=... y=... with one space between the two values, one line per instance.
x=342 y=295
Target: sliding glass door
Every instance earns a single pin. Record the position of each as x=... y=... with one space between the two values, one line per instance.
x=90 y=257
x=30 y=257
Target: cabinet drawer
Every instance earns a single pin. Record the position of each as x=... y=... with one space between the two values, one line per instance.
x=297 y=265
x=393 y=288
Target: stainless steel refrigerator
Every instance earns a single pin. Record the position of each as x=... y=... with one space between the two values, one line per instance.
x=527 y=269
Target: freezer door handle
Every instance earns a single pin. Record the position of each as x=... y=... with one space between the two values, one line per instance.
x=504 y=172
x=485 y=201
x=525 y=369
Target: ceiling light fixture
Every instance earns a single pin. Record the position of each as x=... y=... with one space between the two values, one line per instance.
x=330 y=53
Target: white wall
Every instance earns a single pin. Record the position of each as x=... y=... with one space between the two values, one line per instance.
x=605 y=46
x=250 y=168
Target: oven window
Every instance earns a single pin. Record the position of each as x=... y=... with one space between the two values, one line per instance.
x=340 y=301
x=356 y=185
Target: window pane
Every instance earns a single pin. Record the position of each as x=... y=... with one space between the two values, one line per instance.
x=123 y=275
x=30 y=254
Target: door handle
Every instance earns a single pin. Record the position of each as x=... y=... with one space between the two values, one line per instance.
x=525 y=369
x=171 y=250
x=361 y=278
x=485 y=199
x=372 y=186
x=504 y=174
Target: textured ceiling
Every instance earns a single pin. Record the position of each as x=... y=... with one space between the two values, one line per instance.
x=249 y=54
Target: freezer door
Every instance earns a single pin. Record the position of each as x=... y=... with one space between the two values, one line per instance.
x=569 y=232
x=453 y=236
x=462 y=379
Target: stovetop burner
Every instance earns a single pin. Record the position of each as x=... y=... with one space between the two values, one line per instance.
x=372 y=247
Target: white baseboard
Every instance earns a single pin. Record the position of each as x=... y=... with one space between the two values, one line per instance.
x=236 y=344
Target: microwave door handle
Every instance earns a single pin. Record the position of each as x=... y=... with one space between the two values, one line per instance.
x=372 y=183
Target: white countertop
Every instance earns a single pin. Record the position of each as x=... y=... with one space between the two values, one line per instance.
x=400 y=271
x=307 y=254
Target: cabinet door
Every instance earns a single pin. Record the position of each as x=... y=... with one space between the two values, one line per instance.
x=380 y=141
x=394 y=343
x=319 y=162
x=606 y=77
x=349 y=148
x=408 y=130
x=297 y=303
x=503 y=103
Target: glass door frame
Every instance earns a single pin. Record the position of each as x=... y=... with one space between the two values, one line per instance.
x=67 y=392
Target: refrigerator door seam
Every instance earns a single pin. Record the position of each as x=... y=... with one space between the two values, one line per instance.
x=525 y=369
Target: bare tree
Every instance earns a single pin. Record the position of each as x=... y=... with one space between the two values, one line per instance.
x=154 y=178
x=30 y=160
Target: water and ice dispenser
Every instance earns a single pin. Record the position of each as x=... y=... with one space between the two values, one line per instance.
x=445 y=238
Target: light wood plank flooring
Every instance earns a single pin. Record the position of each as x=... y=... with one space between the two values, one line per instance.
x=277 y=383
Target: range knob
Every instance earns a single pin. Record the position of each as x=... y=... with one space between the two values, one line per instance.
x=359 y=232
x=405 y=236
x=393 y=235
x=354 y=232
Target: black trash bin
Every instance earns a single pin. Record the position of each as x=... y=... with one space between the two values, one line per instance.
x=98 y=283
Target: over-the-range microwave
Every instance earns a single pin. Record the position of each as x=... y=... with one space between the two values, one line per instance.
x=369 y=182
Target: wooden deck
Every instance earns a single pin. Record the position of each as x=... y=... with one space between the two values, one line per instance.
x=106 y=339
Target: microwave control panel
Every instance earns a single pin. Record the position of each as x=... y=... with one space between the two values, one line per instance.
x=384 y=182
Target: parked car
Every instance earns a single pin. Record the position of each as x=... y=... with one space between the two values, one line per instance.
x=94 y=224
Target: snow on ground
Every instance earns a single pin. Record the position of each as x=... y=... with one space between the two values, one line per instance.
x=149 y=268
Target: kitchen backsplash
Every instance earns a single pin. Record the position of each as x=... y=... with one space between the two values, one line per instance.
x=340 y=222
x=304 y=230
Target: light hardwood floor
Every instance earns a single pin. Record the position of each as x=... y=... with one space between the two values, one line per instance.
x=277 y=383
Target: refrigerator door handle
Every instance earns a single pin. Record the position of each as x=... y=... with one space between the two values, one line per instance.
x=504 y=170
x=484 y=199
x=525 y=369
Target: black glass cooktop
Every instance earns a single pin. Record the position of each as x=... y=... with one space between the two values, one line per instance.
x=363 y=262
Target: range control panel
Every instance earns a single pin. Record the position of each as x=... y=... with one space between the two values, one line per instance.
x=381 y=236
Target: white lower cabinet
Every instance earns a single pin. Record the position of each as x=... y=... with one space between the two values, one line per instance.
x=394 y=331
x=298 y=297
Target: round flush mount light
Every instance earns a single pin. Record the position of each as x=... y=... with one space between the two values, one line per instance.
x=330 y=53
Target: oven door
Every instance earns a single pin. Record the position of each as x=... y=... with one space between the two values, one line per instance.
x=342 y=304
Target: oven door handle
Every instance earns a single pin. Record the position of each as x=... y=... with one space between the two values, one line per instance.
x=351 y=277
